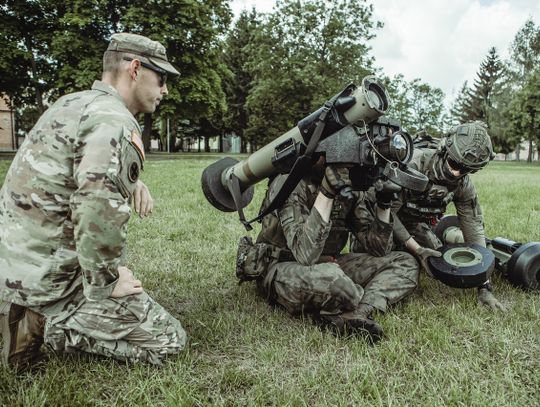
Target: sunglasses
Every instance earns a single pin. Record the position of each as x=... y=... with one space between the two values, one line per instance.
x=459 y=167
x=161 y=73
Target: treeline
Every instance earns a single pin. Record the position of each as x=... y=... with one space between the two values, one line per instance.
x=506 y=95
x=255 y=77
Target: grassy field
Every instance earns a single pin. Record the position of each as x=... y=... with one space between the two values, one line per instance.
x=442 y=348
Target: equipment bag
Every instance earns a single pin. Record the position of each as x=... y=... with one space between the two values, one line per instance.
x=253 y=260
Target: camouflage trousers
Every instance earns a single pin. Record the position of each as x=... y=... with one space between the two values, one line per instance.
x=341 y=286
x=132 y=328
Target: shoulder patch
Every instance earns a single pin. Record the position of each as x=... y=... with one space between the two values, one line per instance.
x=137 y=142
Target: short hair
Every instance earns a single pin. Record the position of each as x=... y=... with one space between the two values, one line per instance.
x=113 y=60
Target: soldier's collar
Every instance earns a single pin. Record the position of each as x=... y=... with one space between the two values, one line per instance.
x=104 y=87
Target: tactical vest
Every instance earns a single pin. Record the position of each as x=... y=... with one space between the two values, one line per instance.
x=272 y=231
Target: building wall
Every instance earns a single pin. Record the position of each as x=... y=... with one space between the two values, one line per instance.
x=6 y=126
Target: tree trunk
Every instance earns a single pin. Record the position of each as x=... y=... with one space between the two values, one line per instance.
x=147 y=131
x=172 y=134
x=198 y=144
x=529 y=156
x=206 y=144
x=39 y=96
x=220 y=143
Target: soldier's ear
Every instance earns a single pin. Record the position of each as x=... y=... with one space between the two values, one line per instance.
x=134 y=67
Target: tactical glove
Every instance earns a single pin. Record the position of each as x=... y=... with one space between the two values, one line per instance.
x=486 y=297
x=336 y=180
x=423 y=253
x=385 y=193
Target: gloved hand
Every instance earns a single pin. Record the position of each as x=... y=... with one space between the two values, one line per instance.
x=336 y=180
x=486 y=297
x=386 y=192
x=423 y=253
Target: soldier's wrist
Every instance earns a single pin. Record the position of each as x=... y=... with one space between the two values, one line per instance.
x=325 y=191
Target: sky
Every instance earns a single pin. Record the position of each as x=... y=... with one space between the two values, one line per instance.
x=442 y=42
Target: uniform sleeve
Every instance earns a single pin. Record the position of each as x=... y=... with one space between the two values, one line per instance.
x=372 y=234
x=304 y=229
x=105 y=172
x=469 y=213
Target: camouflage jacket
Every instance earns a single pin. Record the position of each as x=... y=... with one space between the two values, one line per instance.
x=64 y=205
x=298 y=227
x=415 y=207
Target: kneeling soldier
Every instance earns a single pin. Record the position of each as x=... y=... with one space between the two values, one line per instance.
x=64 y=209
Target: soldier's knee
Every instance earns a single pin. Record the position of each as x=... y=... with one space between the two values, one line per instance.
x=344 y=292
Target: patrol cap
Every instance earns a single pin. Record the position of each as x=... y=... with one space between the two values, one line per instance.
x=143 y=46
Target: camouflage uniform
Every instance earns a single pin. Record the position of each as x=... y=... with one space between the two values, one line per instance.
x=64 y=209
x=312 y=275
x=417 y=211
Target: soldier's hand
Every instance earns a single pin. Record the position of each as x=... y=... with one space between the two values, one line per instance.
x=142 y=200
x=486 y=297
x=127 y=284
x=336 y=180
x=423 y=253
x=386 y=192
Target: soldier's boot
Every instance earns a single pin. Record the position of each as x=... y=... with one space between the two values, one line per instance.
x=22 y=333
x=358 y=320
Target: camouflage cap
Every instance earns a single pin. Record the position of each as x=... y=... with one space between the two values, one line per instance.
x=143 y=46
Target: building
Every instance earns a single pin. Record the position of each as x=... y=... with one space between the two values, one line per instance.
x=7 y=127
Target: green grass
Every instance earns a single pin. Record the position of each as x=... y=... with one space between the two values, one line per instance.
x=442 y=348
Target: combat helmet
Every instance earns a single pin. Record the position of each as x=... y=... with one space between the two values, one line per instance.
x=467 y=147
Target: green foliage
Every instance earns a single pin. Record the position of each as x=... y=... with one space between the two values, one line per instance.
x=476 y=102
x=524 y=111
x=305 y=52
x=238 y=85
x=525 y=51
x=521 y=107
x=416 y=104
x=487 y=100
x=27 y=73
x=442 y=349
x=66 y=41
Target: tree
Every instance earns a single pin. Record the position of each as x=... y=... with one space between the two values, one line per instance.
x=238 y=84
x=27 y=73
x=480 y=98
x=525 y=51
x=483 y=101
x=305 y=52
x=458 y=109
x=524 y=111
x=416 y=105
x=56 y=47
x=509 y=115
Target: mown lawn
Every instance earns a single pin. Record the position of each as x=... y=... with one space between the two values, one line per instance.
x=442 y=348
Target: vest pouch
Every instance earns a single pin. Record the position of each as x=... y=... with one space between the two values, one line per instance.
x=254 y=260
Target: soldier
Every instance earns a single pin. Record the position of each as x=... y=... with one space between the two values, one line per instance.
x=465 y=149
x=305 y=272
x=64 y=209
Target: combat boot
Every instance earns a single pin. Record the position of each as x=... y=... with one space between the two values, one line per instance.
x=356 y=321
x=22 y=333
